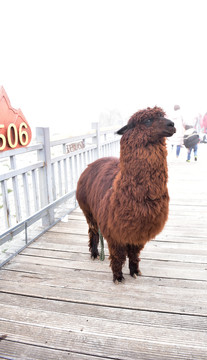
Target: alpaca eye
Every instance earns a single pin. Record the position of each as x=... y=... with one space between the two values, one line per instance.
x=148 y=122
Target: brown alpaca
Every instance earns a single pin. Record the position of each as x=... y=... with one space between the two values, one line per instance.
x=127 y=198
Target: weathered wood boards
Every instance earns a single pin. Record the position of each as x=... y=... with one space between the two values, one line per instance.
x=56 y=303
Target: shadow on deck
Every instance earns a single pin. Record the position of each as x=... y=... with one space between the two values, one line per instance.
x=56 y=303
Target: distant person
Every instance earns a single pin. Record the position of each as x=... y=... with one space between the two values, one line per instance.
x=198 y=123
x=177 y=138
x=204 y=123
x=191 y=140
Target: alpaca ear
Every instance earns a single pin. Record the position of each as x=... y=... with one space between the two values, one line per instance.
x=123 y=130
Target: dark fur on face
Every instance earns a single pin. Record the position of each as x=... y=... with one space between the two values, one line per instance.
x=149 y=118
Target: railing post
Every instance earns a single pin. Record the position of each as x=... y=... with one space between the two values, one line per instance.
x=45 y=174
x=96 y=126
x=16 y=189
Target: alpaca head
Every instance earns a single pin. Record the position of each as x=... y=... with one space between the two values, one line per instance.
x=150 y=124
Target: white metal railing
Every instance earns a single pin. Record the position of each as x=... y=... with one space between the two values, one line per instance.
x=37 y=180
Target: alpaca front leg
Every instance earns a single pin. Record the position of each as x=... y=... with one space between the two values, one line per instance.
x=133 y=254
x=118 y=258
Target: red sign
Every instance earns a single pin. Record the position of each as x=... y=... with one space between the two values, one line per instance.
x=15 y=131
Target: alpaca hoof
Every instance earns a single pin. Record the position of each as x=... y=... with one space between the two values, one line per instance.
x=95 y=256
x=136 y=274
x=117 y=282
x=118 y=279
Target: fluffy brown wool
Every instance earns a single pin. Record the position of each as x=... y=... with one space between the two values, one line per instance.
x=127 y=198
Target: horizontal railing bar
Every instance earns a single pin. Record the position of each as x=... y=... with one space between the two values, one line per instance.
x=71 y=154
x=32 y=240
x=107 y=142
x=15 y=172
x=109 y=131
x=12 y=231
x=72 y=139
x=20 y=151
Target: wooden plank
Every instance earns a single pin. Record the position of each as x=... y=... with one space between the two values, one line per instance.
x=81 y=230
x=14 y=350
x=82 y=240
x=148 y=267
x=164 y=237
x=155 y=255
x=134 y=296
x=176 y=247
x=77 y=276
x=184 y=231
x=102 y=327
x=170 y=235
x=154 y=319
x=172 y=229
x=161 y=291
x=154 y=246
x=173 y=237
x=184 y=228
x=72 y=223
x=80 y=245
x=67 y=304
x=76 y=215
x=195 y=200
x=146 y=346
x=62 y=238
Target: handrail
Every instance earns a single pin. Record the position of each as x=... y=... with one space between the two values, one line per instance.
x=37 y=183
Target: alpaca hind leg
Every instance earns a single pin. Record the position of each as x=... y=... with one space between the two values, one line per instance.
x=133 y=254
x=92 y=232
x=93 y=243
x=118 y=258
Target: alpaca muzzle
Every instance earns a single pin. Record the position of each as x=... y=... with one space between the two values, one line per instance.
x=169 y=123
x=170 y=127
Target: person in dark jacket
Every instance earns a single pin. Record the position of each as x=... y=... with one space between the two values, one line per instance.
x=191 y=140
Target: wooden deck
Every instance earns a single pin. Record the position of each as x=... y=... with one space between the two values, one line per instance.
x=56 y=303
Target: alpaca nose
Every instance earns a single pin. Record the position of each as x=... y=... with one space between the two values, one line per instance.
x=169 y=123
